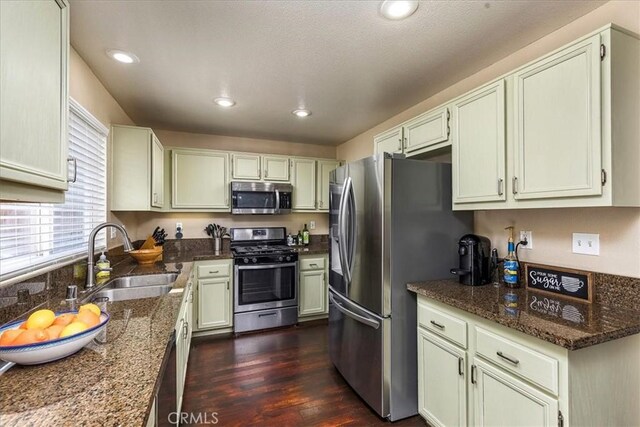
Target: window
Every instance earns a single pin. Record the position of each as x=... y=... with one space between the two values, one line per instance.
x=35 y=237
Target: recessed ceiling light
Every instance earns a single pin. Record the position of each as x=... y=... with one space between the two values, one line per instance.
x=122 y=56
x=301 y=113
x=225 y=102
x=398 y=9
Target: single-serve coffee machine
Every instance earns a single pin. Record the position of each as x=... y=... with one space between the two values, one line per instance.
x=474 y=252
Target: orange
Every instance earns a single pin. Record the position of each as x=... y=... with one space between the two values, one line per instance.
x=54 y=331
x=23 y=325
x=92 y=307
x=31 y=336
x=64 y=319
x=9 y=336
x=73 y=328
x=41 y=319
x=88 y=317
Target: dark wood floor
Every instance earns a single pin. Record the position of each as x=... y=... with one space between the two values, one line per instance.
x=277 y=378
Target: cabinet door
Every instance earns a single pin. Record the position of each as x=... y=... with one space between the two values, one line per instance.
x=313 y=293
x=503 y=400
x=478 y=146
x=427 y=130
x=389 y=141
x=200 y=179
x=557 y=125
x=214 y=303
x=246 y=166
x=304 y=184
x=442 y=388
x=179 y=363
x=157 y=173
x=188 y=329
x=322 y=191
x=33 y=92
x=275 y=168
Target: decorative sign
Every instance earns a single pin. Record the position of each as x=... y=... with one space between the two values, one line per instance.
x=560 y=281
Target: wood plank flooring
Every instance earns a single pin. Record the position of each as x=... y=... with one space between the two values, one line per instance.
x=279 y=378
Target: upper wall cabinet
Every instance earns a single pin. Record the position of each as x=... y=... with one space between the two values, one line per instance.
x=200 y=180
x=137 y=172
x=557 y=124
x=571 y=131
x=478 y=152
x=322 y=186
x=389 y=141
x=255 y=167
x=34 y=46
x=303 y=179
x=427 y=131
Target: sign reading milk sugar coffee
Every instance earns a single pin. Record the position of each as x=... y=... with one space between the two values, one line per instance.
x=560 y=281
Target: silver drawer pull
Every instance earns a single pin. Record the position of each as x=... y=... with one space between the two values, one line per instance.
x=214 y=272
x=437 y=325
x=313 y=265
x=508 y=359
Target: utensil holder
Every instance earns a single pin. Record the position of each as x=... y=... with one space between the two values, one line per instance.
x=217 y=245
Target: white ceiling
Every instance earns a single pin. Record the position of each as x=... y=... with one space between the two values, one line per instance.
x=340 y=59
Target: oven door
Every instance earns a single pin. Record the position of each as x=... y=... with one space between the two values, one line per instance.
x=259 y=287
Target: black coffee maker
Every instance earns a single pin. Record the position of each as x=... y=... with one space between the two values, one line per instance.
x=474 y=254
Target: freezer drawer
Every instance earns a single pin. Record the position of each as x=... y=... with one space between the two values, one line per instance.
x=357 y=349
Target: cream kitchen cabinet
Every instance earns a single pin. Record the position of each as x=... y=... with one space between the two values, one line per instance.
x=478 y=150
x=303 y=179
x=34 y=48
x=511 y=378
x=137 y=169
x=214 y=294
x=389 y=141
x=200 y=180
x=184 y=329
x=428 y=131
x=313 y=292
x=322 y=186
x=571 y=131
x=256 y=167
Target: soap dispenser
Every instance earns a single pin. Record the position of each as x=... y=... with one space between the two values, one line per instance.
x=104 y=266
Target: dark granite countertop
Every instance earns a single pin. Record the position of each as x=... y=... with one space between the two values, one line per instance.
x=315 y=248
x=567 y=323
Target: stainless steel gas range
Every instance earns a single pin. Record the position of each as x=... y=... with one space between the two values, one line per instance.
x=265 y=279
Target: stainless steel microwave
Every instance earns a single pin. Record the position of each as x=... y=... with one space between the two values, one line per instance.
x=255 y=198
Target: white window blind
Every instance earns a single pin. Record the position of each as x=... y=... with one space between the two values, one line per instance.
x=37 y=236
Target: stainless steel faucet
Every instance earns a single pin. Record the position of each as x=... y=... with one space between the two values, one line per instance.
x=128 y=247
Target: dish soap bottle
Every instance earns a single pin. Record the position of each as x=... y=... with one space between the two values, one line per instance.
x=305 y=235
x=103 y=265
x=511 y=267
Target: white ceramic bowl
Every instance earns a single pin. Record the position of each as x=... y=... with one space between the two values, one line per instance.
x=48 y=351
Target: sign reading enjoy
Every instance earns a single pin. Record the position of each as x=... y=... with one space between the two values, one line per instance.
x=560 y=281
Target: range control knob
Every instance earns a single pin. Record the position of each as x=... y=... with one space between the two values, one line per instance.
x=246 y=260
x=254 y=260
x=280 y=258
x=288 y=258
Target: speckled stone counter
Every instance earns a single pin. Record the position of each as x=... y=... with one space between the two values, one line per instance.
x=315 y=248
x=567 y=323
x=103 y=384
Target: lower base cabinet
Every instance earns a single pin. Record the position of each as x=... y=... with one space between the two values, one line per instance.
x=184 y=329
x=313 y=289
x=472 y=371
x=214 y=289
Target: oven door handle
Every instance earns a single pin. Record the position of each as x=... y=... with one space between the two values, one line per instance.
x=265 y=266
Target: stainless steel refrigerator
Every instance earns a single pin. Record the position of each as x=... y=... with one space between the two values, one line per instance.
x=390 y=223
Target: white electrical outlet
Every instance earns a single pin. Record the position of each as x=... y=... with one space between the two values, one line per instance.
x=178 y=226
x=587 y=244
x=528 y=236
x=312 y=225
x=112 y=232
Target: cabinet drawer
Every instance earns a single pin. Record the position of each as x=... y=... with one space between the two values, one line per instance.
x=530 y=364
x=213 y=270
x=443 y=324
x=311 y=264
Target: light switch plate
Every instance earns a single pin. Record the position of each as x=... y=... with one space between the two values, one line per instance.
x=312 y=225
x=587 y=244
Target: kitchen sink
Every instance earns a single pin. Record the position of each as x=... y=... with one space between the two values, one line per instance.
x=136 y=287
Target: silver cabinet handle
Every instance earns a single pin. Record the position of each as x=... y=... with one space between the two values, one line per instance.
x=266 y=174
x=500 y=190
x=437 y=325
x=514 y=184
x=460 y=366
x=515 y=362
x=313 y=265
x=214 y=272
x=320 y=203
x=404 y=142
x=400 y=144
x=75 y=169
x=227 y=285
x=186 y=330
x=473 y=374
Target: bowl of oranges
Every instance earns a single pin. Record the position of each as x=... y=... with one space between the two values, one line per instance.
x=47 y=336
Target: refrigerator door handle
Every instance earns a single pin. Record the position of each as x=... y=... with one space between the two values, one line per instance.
x=342 y=231
x=351 y=244
x=369 y=322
